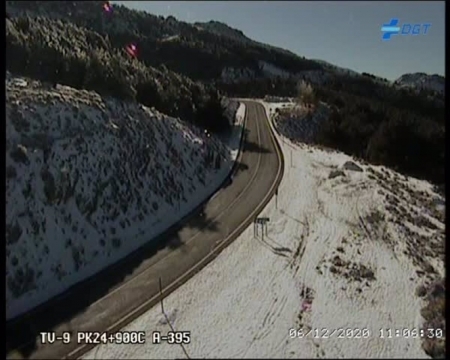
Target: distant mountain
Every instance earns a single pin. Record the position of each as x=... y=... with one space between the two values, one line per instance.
x=423 y=81
x=336 y=68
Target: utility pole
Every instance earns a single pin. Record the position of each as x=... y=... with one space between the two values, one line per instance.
x=168 y=320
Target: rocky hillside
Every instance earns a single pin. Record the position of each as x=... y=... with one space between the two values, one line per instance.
x=422 y=81
x=89 y=179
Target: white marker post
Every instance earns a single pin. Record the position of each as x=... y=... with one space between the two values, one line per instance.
x=276 y=198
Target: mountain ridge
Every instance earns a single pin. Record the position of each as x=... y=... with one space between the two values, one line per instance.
x=421 y=80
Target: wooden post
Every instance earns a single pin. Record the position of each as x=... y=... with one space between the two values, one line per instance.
x=160 y=294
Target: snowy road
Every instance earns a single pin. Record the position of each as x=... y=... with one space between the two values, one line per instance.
x=114 y=298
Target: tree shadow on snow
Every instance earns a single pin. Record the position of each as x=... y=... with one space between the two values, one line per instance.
x=291 y=217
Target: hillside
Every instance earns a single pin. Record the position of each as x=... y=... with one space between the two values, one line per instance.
x=61 y=52
x=220 y=46
x=90 y=178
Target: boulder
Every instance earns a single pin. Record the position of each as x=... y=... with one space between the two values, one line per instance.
x=350 y=165
x=335 y=173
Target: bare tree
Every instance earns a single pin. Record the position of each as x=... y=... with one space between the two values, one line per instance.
x=306 y=93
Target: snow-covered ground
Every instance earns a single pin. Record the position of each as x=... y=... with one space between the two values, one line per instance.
x=345 y=249
x=90 y=179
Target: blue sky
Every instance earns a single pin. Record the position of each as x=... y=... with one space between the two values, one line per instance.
x=344 y=33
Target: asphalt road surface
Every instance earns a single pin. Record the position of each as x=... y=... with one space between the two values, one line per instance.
x=119 y=294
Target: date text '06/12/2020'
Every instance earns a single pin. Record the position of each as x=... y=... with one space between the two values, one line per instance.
x=324 y=333
x=356 y=333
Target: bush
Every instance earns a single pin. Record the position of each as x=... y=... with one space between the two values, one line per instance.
x=306 y=93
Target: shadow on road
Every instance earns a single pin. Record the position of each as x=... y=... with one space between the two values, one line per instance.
x=241 y=167
x=202 y=222
x=251 y=146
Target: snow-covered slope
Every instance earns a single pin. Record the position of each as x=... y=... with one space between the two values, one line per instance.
x=90 y=179
x=347 y=246
x=421 y=81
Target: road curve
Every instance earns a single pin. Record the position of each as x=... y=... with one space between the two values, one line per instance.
x=112 y=299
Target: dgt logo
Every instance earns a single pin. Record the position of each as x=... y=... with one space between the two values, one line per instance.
x=392 y=28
